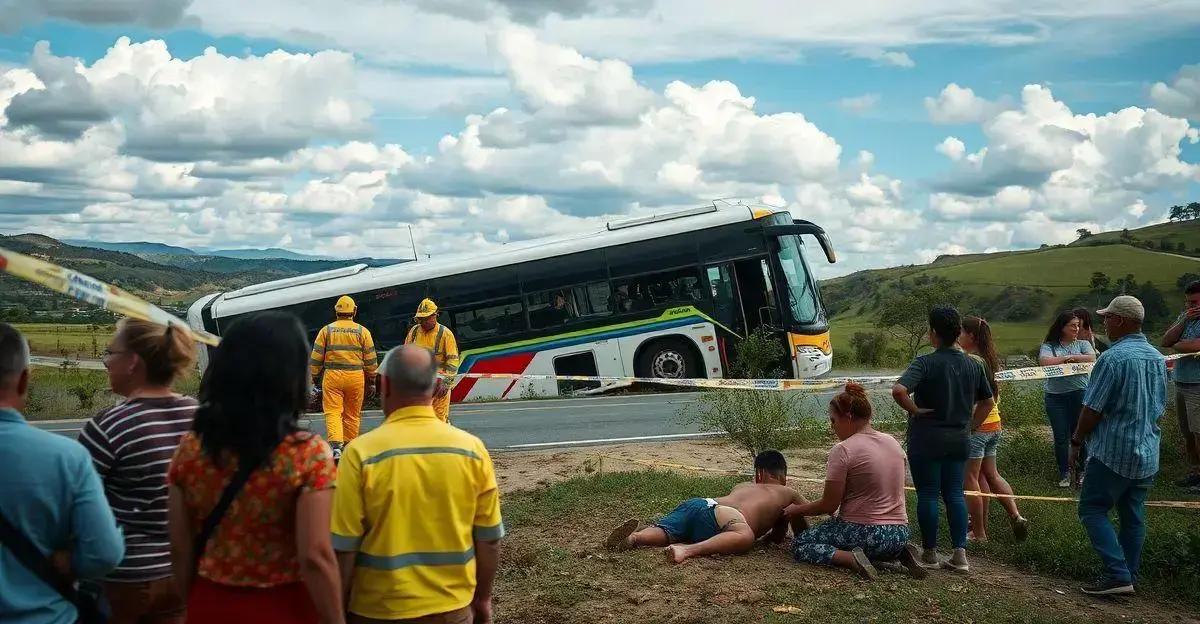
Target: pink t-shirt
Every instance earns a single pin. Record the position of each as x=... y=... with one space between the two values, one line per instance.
x=872 y=467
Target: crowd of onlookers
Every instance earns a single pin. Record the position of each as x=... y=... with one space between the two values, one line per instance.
x=221 y=508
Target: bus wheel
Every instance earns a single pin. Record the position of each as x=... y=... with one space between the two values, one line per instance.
x=667 y=359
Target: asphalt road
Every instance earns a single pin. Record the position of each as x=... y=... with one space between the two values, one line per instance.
x=526 y=425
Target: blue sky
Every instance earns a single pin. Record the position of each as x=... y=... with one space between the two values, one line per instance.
x=314 y=164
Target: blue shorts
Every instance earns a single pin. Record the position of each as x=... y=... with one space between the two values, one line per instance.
x=984 y=444
x=693 y=521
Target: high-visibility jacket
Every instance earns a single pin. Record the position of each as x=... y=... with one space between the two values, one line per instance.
x=344 y=345
x=445 y=352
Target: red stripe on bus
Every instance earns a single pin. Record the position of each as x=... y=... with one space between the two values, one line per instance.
x=515 y=364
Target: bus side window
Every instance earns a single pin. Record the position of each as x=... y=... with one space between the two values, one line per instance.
x=489 y=319
x=657 y=290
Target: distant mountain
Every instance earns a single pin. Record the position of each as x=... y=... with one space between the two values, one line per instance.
x=139 y=248
x=273 y=253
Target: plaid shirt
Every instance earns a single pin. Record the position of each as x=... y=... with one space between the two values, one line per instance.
x=1129 y=389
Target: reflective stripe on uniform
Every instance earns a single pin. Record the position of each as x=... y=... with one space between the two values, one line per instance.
x=399 y=562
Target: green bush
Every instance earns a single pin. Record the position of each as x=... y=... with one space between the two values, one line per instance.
x=757 y=421
x=759 y=355
x=869 y=347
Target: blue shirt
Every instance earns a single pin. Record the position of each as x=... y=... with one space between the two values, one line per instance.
x=1187 y=370
x=1070 y=383
x=1129 y=389
x=53 y=496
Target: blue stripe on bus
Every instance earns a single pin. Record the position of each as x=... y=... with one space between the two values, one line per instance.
x=575 y=340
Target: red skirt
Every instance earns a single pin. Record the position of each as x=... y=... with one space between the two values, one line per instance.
x=214 y=603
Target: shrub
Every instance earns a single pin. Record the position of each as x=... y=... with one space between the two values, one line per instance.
x=758 y=356
x=869 y=347
x=756 y=420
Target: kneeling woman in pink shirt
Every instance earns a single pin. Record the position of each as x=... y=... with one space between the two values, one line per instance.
x=864 y=484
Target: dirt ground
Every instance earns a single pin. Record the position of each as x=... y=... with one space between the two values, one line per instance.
x=559 y=573
x=533 y=469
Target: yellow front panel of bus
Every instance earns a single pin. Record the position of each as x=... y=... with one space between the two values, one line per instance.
x=820 y=341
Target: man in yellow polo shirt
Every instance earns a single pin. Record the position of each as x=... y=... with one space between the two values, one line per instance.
x=416 y=511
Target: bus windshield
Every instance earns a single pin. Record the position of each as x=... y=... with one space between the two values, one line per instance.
x=802 y=296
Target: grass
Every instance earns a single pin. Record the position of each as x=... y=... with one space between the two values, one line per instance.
x=59 y=339
x=72 y=393
x=1069 y=268
x=1186 y=232
x=551 y=570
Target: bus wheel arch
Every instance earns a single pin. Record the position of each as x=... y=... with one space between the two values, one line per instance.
x=673 y=357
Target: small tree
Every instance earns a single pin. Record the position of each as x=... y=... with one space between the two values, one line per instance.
x=906 y=316
x=1083 y=233
x=755 y=420
x=1100 y=282
x=869 y=347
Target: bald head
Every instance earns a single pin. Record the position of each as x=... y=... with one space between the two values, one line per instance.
x=14 y=367
x=409 y=375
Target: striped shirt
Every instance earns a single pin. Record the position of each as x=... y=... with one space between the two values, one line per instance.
x=1129 y=390
x=132 y=445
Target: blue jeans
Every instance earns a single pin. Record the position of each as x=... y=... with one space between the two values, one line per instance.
x=1062 y=410
x=1102 y=490
x=943 y=478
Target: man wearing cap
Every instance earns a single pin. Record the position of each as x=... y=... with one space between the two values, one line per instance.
x=429 y=333
x=1125 y=398
x=345 y=352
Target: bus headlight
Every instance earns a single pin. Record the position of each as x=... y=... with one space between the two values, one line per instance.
x=811 y=361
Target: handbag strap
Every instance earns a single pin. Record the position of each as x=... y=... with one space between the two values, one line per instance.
x=29 y=556
x=239 y=480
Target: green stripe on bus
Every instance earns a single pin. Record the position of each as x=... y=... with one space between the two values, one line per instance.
x=673 y=313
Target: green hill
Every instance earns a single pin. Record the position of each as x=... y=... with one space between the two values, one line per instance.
x=1180 y=237
x=1020 y=292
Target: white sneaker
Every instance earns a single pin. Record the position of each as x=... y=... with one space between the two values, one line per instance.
x=1065 y=482
x=930 y=559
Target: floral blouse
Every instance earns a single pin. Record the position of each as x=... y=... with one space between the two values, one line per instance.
x=254 y=545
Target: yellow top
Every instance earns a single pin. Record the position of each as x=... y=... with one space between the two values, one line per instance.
x=343 y=345
x=992 y=422
x=412 y=498
x=441 y=341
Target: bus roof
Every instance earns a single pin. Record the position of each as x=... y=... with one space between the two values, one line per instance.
x=360 y=278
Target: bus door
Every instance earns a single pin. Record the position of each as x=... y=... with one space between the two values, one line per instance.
x=743 y=294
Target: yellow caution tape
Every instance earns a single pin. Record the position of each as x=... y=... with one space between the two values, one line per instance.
x=93 y=291
x=1053 y=499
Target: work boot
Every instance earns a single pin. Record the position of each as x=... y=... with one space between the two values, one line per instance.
x=958 y=561
x=337 y=451
x=930 y=559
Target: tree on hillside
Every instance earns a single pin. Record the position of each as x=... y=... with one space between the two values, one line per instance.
x=1083 y=233
x=1154 y=303
x=1126 y=284
x=905 y=315
x=1192 y=211
x=1176 y=213
x=1100 y=282
x=1126 y=237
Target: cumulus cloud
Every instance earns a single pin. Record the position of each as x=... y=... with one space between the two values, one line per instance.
x=211 y=107
x=153 y=13
x=952 y=148
x=1182 y=97
x=1045 y=164
x=859 y=105
x=960 y=105
x=885 y=57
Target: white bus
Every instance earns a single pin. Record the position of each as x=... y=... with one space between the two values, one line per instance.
x=660 y=296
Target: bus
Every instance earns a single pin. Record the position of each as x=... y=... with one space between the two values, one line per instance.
x=662 y=296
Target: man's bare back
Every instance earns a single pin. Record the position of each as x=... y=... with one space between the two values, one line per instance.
x=761 y=504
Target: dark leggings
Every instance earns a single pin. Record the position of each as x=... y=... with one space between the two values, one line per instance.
x=940 y=478
x=1062 y=410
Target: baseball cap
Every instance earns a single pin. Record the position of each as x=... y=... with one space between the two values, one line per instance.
x=1125 y=306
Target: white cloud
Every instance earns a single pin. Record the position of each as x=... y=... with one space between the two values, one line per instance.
x=952 y=148
x=960 y=105
x=208 y=107
x=1182 y=97
x=885 y=57
x=859 y=105
x=1044 y=164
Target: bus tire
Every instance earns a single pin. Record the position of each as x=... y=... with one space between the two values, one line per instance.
x=670 y=358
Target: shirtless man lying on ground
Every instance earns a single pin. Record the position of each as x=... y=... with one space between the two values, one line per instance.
x=724 y=526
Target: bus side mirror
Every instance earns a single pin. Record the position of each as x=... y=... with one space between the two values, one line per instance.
x=804 y=228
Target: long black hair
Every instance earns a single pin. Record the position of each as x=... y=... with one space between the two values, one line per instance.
x=1054 y=336
x=254 y=389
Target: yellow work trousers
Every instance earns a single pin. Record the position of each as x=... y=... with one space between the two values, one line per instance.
x=342 y=399
x=441 y=407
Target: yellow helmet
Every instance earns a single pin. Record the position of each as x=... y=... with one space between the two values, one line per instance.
x=427 y=309
x=345 y=305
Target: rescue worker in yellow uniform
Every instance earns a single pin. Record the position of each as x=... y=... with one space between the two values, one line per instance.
x=345 y=352
x=429 y=333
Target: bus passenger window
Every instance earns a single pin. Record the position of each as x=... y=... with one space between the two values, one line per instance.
x=658 y=290
x=495 y=318
x=563 y=305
